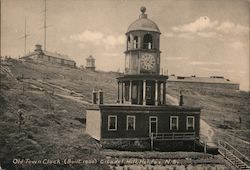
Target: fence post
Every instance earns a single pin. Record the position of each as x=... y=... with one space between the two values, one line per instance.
x=205 y=147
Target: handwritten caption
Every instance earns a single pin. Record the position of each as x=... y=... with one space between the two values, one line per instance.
x=113 y=161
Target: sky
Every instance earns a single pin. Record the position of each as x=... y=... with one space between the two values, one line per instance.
x=198 y=37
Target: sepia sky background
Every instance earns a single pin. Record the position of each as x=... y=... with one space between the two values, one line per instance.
x=199 y=37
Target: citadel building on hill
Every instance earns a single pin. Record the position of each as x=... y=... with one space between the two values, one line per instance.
x=213 y=82
x=39 y=56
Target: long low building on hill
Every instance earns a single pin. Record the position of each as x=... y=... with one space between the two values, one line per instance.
x=39 y=55
x=215 y=82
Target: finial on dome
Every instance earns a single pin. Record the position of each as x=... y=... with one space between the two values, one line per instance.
x=143 y=10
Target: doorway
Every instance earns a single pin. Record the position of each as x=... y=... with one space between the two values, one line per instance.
x=153 y=124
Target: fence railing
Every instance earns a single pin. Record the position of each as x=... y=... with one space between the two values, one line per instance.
x=233 y=150
x=173 y=136
x=235 y=157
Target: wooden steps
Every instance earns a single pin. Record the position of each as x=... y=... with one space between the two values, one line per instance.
x=236 y=158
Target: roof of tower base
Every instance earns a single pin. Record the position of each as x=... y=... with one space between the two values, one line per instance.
x=143 y=23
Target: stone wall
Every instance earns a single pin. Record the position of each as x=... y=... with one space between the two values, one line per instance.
x=203 y=85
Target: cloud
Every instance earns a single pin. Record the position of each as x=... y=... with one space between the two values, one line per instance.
x=168 y=34
x=200 y=24
x=112 y=54
x=237 y=45
x=88 y=36
x=207 y=34
x=230 y=27
x=205 y=28
x=204 y=63
x=176 y=58
x=96 y=38
x=185 y=35
x=113 y=41
x=211 y=69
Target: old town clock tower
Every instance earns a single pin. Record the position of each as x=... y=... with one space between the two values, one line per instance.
x=142 y=83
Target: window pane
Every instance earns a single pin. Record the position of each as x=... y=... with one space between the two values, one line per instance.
x=126 y=92
x=134 y=92
x=112 y=123
x=190 y=123
x=174 y=123
x=153 y=119
x=153 y=127
x=130 y=123
x=148 y=92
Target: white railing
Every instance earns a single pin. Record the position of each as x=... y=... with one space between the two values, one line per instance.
x=173 y=136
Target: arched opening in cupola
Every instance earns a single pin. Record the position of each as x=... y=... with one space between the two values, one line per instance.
x=128 y=42
x=136 y=44
x=147 y=41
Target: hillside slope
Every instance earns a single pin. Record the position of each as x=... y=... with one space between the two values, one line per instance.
x=53 y=114
x=226 y=111
x=53 y=100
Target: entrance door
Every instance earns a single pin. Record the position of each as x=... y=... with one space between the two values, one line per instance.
x=153 y=124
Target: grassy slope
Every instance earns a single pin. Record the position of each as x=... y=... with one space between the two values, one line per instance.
x=221 y=109
x=54 y=124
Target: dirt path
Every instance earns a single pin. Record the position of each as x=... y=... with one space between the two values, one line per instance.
x=68 y=95
x=207 y=133
x=172 y=99
x=77 y=99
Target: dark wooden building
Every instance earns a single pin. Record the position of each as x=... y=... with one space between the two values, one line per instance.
x=141 y=118
x=41 y=56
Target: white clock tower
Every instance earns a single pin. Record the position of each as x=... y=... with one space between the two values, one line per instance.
x=142 y=53
x=142 y=83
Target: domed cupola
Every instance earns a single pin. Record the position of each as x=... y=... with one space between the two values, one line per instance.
x=143 y=23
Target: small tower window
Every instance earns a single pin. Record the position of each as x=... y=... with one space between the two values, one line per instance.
x=128 y=42
x=128 y=39
x=136 y=42
x=147 y=41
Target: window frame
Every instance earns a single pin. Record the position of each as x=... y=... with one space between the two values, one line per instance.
x=134 y=119
x=193 y=124
x=110 y=116
x=177 y=123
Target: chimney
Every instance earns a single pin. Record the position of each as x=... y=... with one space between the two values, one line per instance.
x=181 y=102
x=38 y=47
x=100 y=95
x=94 y=97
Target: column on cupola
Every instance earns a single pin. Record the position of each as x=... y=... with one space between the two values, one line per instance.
x=144 y=93
x=122 y=97
x=161 y=93
x=164 y=93
x=118 y=92
x=139 y=42
x=156 y=92
x=131 y=41
x=130 y=92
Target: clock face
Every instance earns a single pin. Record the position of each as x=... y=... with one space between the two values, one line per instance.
x=147 y=61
